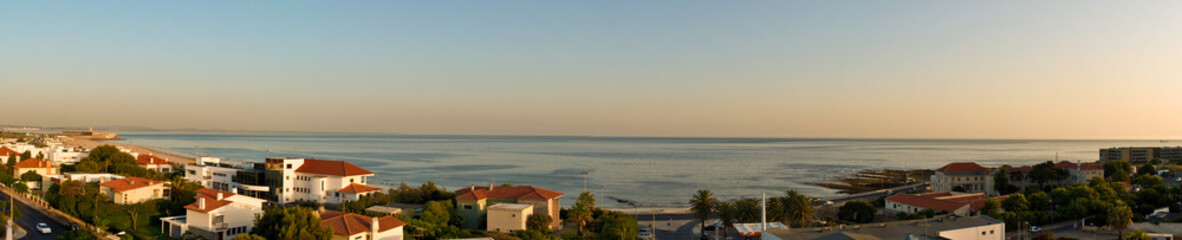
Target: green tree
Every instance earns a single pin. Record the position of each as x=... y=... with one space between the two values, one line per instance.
x=11 y=160
x=857 y=211
x=40 y=155
x=539 y=222
x=1039 y=201
x=727 y=213
x=1147 y=169
x=21 y=187
x=581 y=213
x=248 y=236
x=1119 y=218
x=991 y=208
x=436 y=212
x=617 y=225
x=31 y=176
x=1046 y=172
x=89 y=167
x=702 y=205
x=1016 y=203
x=1117 y=170
x=26 y=155
x=798 y=208
x=1001 y=180
x=291 y=223
x=1137 y=234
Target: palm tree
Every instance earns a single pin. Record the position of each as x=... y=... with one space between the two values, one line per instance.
x=582 y=211
x=798 y=208
x=727 y=214
x=1119 y=218
x=702 y=205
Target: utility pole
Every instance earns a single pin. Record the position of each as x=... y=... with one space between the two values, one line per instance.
x=585 y=174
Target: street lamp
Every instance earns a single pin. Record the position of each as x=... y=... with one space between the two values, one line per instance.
x=585 y=180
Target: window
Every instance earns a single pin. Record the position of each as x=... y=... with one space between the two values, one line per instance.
x=289 y=166
x=467 y=206
x=350 y=180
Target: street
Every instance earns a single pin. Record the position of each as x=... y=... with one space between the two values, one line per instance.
x=31 y=217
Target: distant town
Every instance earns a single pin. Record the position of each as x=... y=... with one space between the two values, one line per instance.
x=78 y=185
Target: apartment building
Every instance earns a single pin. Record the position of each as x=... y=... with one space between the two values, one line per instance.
x=325 y=181
x=64 y=155
x=1141 y=154
x=215 y=215
x=473 y=202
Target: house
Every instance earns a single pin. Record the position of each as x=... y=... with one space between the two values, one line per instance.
x=1077 y=173
x=41 y=167
x=508 y=217
x=958 y=204
x=352 y=226
x=215 y=215
x=63 y=155
x=325 y=181
x=243 y=178
x=132 y=190
x=153 y=163
x=963 y=177
x=473 y=202
x=6 y=152
x=975 y=227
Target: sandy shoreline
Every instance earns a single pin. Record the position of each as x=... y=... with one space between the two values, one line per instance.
x=90 y=144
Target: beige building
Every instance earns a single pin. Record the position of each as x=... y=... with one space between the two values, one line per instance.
x=352 y=226
x=508 y=217
x=215 y=215
x=967 y=177
x=472 y=202
x=154 y=163
x=41 y=167
x=132 y=190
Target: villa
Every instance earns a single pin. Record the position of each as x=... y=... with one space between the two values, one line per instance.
x=473 y=202
x=352 y=226
x=153 y=163
x=215 y=215
x=324 y=181
x=132 y=190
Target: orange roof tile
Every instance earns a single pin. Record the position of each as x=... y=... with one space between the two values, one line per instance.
x=145 y=159
x=358 y=188
x=348 y=224
x=34 y=163
x=211 y=200
x=514 y=192
x=331 y=167
x=963 y=167
x=129 y=183
x=925 y=202
x=5 y=151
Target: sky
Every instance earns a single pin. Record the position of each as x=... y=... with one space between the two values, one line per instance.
x=843 y=69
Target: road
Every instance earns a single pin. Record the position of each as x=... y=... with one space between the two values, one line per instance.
x=30 y=218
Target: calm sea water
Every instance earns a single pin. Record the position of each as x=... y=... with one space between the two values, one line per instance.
x=650 y=171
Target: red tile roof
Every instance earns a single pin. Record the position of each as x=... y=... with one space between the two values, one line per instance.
x=145 y=159
x=924 y=202
x=348 y=224
x=5 y=151
x=331 y=167
x=34 y=163
x=211 y=200
x=963 y=167
x=129 y=183
x=358 y=188
x=514 y=192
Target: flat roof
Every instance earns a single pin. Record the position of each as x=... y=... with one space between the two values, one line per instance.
x=891 y=230
x=510 y=206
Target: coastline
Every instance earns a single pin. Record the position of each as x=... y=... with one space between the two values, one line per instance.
x=170 y=156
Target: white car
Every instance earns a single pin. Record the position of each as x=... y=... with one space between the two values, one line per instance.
x=44 y=228
x=1035 y=229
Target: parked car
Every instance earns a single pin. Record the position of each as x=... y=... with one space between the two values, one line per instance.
x=44 y=228
x=1035 y=229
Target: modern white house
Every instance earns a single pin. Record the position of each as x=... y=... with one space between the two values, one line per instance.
x=324 y=181
x=352 y=226
x=215 y=215
x=214 y=173
x=64 y=155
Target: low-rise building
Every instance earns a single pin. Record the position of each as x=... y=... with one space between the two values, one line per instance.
x=1141 y=154
x=64 y=155
x=1077 y=173
x=132 y=190
x=965 y=177
x=6 y=152
x=958 y=204
x=154 y=163
x=352 y=226
x=215 y=215
x=473 y=202
x=41 y=167
x=508 y=217
x=324 y=181
x=976 y=227
x=244 y=178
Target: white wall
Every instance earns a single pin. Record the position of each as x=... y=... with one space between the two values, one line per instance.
x=987 y=232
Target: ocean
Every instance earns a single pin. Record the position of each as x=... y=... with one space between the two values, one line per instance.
x=653 y=172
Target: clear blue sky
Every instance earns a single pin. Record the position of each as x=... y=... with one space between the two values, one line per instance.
x=912 y=69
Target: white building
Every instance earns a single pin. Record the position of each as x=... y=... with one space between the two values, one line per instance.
x=508 y=217
x=354 y=226
x=64 y=155
x=325 y=181
x=223 y=176
x=215 y=215
x=154 y=163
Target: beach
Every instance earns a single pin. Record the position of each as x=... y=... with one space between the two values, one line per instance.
x=88 y=143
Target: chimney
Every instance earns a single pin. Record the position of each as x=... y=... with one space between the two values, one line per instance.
x=234 y=190
x=373 y=226
x=201 y=203
x=131 y=181
x=320 y=209
x=219 y=195
x=490 y=186
x=471 y=188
